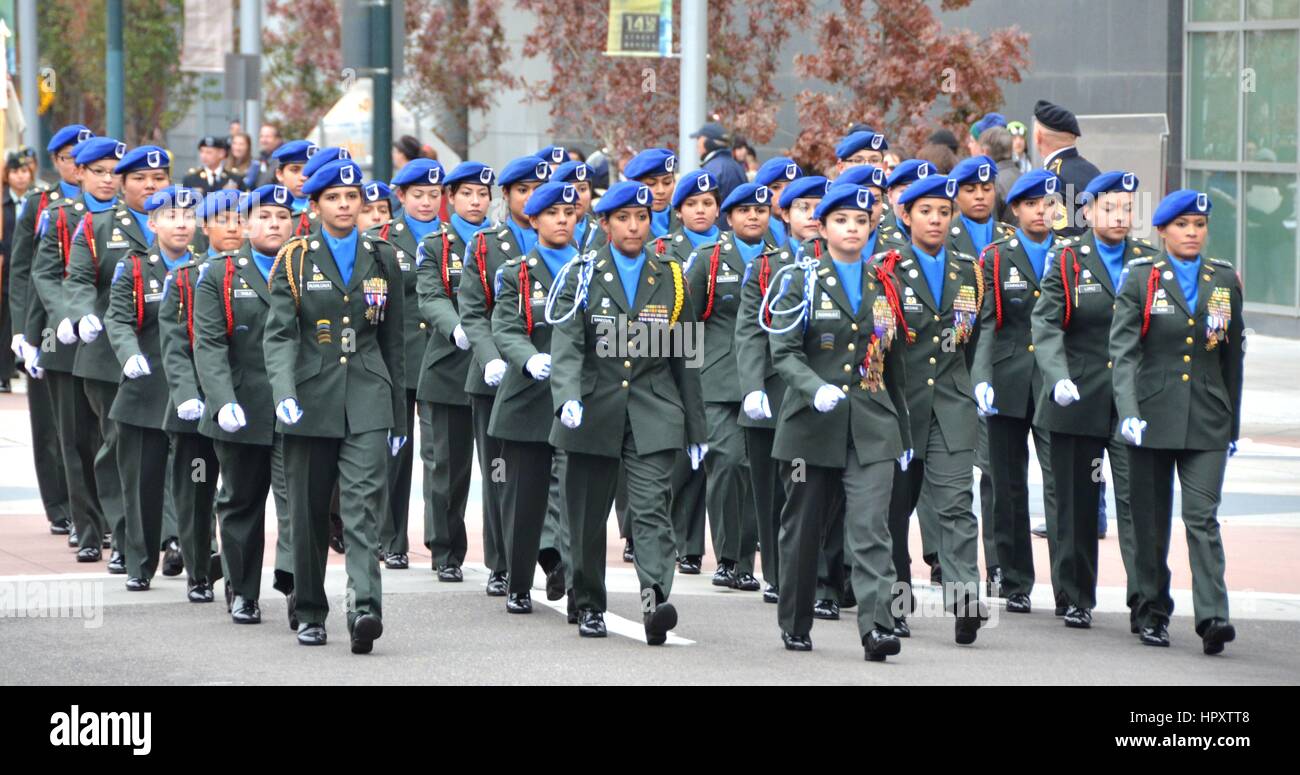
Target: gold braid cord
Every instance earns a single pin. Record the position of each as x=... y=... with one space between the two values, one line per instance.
x=286 y=254
x=678 y=292
x=979 y=290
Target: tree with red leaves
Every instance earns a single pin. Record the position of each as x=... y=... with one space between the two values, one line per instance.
x=303 y=63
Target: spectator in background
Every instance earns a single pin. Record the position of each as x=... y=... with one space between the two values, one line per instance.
x=1019 y=146
x=262 y=171
x=941 y=156
x=713 y=145
x=406 y=149
x=240 y=157
x=576 y=154
x=995 y=142
x=890 y=161
x=989 y=121
x=945 y=138
x=15 y=181
x=745 y=155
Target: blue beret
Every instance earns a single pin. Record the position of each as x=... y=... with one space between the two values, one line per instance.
x=553 y=154
x=1032 y=185
x=174 y=196
x=989 y=120
x=1116 y=180
x=1181 y=202
x=97 y=148
x=376 y=191
x=651 y=162
x=625 y=193
x=976 y=169
x=471 y=172
x=807 y=187
x=525 y=169
x=270 y=195
x=219 y=202
x=909 y=171
x=295 y=152
x=779 y=168
x=69 y=135
x=144 y=157
x=936 y=186
x=1056 y=117
x=863 y=175
x=549 y=195
x=340 y=172
x=856 y=141
x=845 y=197
x=323 y=156
x=699 y=181
x=420 y=172
x=571 y=171
x=747 y=194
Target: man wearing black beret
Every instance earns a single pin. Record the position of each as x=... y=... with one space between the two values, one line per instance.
x=211 y=173
x=1056 y=130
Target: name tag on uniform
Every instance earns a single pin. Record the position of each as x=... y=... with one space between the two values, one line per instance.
x=245 y=293
x=1014 y=286
x=1089 y=288
x=153 y=298
x=404 y=266
x=116 y=244
x=826 y=314
x=729 y=277
x=598 y=319
x=319 y=285
x=1162 y=307
x=911 y=306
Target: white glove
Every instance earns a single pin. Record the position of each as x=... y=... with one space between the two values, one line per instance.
x=1131 y=429
x=494 y=371
x=395 y=444
x=1065 y=392
x=1232 y=448
x=696 y=452
x=756 y=406
x=231 y=418
x=190 y=410
x=984 y=399
x=30 y=358
x=539 y=366
x=571 y=414
x=17 y=344
x=136 y=366
x=288 y=411
x=458 y=336
x=905 y=459
x=827 y=397
x=65 y=332
x=88 y=329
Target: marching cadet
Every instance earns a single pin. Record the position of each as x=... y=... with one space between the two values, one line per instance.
x=873 y=179
x=777 y=173
x=333 y=344
x=1008 y=383
x=131 y=324
x=799 y=203
x=892 y=231
x=1071 y=331
x=1178 y=343
x=656 y=168
x=211 y=174
x=376 y=206
x=587 y=234
x=419 y=188
x=860 y=147
x=554 y=156
x=714 y=272
x=474 y=301
x=836 y=339
x=290 y=160
x=448 y=449
x=522 y=414
x=653 y=397
x=941 y=295
x=47 y=451
x=231 y=303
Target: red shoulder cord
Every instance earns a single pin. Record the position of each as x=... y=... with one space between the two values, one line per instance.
x=885 y=274
x=383 y=230
x=446 y=276
x=65 y=238
x=660 y=247
x=1065 y=280
x=764 y=279
x=226 y=284
x=525 y=304
x=997 y=281
x=186 y=297
x=712 y=281
x=1151 y=293
x=304 y=225
x=45 y=200
x=90 y=240
x=137 y=289
x=817 y=248
x=480 y=258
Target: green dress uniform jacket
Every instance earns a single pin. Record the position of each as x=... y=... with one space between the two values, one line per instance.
x=959 y=238
x=416 y=331
x=1004 y=352
x=522 y=411
x=22 y=250
x=753 y=354
x=444 y=366
x=131 y=325
x=49 y=265
x=475 y=298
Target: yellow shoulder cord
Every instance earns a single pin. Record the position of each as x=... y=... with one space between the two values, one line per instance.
x=979 y=289
x=678 y=291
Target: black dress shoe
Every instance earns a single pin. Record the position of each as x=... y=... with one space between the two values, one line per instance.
x=291 y=602
x=572 y=608
x=215 y=571
x=1155 y=635
x=336 y=533
x=591 y=624
x=880 y=644
x=311 y=634
x=771 y=594
x=366 y=629
x=1215 y=633
x=116 y=563
x=74 y=540
x=1133 y=622
x=965 y=628
x=826 y=609
x=397 y=561
x=689 y=565
x=847 y=598
x=745 y=582
x=901 y=628
x=658 y=622
x=173 y=563
x=725 y=575
x=629 y=554
x=519 y=603
x=496 y=584
x=1078 y=618
x=796 y=642
x=555 y=583
x=199 y=591
x=450 y=573
x=245 y=611
x=137 y=584
x=1018 y=603
x=89 y=554
x=936 y=574
x=60 y=527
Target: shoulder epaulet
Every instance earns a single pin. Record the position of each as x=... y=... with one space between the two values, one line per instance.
x=503 y=233
x=514 y=261
x=964 y=256
x=1221 y=262
x=1145 y=241
x=1141 y=260
x=301 y=240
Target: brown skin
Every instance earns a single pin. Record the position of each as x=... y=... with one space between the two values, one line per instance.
x=420 y=202
x=699 y=212
x=470 y=201
x=19 y=180
x=338 y=208
x=864 y=156
x=846 y=232
x=67 y=168
x=748 y=222
x=554 y=225
x=927 y=221
x=290 y=176
x=268 y=138
x=517 y=197
x=374 y=214
x=802 y=223
x=1184 y=237
x=98 y=180
x=894 y=194
x=1111 y=216
x=628 y=229
x=210 y=157
x=225 y=231
x=976 y=200
x=268 y=228
x=661 y=186
x=173 y=229
x=1034 y=216
x=583 y=205
x=139 y=185
x=775 y=198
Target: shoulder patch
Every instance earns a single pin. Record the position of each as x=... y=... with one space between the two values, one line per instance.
x=1221 y=262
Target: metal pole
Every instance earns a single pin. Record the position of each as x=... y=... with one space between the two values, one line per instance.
x=381 y=37
x=250 y=42
x=694 y=80
x=115 y=74
x=28 y=64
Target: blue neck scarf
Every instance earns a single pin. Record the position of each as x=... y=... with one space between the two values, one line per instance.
x=524 y=236
x=1037 y=252
x=1186 y=272
x=698 y=238
x=421 y=229
x=466 y=230
x=344 y=250
x=779 y=232
x=629 y=272
x=263 y=263
x=170 y=264
x=869 y=249
x=748 y=251
x=981 y=234
x=932 y=268
x=580 y=232
x=851 y=278
x=141 y=219
x=98 y=206
x=659 y=220
x=301 y=204
x=69 y=190
x=554 y=259
x=1113 y=257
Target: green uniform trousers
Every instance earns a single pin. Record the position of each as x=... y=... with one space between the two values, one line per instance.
x=769 y=497
x=241 y=513
x=988 y=536
x=447 y=451
x=555 y=530
x=142 y=458
x=192 y=473
x=489 y=452
x=1009 y=455
x=688 y=507
x=79 y=442
x=108 y=482
x=526 y=488
x=51 y=478
x=393 y=537
x=729 y=498
x=283 y=520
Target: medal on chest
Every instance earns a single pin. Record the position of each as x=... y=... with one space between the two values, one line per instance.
x=872 y=368
x=965 y=308
x=376 y=295
x=1218 y=314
